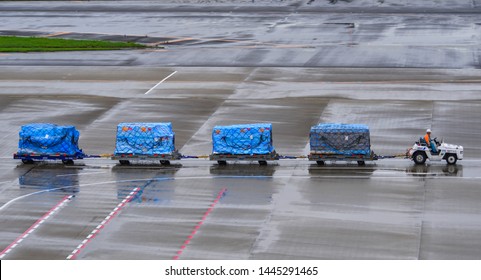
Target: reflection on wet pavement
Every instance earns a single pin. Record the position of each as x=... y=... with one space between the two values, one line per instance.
x=435 y=170
x=51 y=177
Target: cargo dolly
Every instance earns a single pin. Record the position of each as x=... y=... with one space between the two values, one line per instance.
x=124 y=159
x=261 y=158
x=66 y=159
x=321 y=159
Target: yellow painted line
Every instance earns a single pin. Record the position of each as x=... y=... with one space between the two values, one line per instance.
x=225 y=40
x=180 y=40
x=147 y=50
x=56 y=34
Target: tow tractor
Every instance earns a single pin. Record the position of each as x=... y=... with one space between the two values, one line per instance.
x=420 y=152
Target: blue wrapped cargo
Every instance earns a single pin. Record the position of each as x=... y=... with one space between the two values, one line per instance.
x=340 y=139
x=145 y=139
x=243 y=139
x=48 y=139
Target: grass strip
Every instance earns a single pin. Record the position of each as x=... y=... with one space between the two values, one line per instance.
x=36 y=44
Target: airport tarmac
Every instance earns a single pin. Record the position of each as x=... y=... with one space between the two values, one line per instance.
x=398 y=69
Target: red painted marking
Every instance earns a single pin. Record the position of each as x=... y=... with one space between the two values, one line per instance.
x=197 y=227
x=33 y=227
x=102 y=224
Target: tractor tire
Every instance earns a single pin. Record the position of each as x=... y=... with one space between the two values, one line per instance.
x=67 y=161
x=419 y=157
x=451 y=159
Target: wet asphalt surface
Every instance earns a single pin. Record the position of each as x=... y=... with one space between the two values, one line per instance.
x=399 y=69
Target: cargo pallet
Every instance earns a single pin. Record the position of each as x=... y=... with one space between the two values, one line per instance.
x=321 y=159
x=66 y=159
x=261 y=158
x=124 y=159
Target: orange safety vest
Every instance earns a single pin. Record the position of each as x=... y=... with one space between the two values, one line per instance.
x=426 y=138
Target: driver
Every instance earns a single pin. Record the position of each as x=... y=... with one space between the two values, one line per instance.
x=430 y=141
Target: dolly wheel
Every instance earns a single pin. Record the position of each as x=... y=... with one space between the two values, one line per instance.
x=361 y=163
x=222 y=162
x=262 y=162
x=165 y=162
x=124 y=162
x=27 y=161
x=67 y=161
x=320 y=163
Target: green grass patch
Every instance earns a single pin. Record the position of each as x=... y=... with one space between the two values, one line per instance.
x=36 y=44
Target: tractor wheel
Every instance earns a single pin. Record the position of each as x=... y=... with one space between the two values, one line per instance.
x=67 y=161
x=419 y=158
x=451 y=159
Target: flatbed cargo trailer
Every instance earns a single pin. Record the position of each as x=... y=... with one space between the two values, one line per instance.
x=261 y=158
x=361 y=160
x=32 y=157
x=124 y=159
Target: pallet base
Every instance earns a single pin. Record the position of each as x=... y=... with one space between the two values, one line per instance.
x=31 y=158
x=262 y=159
x=124 y=159
x=321 y=159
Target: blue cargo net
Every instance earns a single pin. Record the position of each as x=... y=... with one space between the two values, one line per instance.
x=50 y=139
x=340 y=139
x=243 y=139
x=145 y=139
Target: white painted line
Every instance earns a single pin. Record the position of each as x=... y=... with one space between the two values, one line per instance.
x=107 y=219
x=33 y=227
x=75 y=174
x=172 y=74
x=245 y=177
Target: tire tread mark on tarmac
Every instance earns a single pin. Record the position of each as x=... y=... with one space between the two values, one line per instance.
x=206 y=123
x=422 y=214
